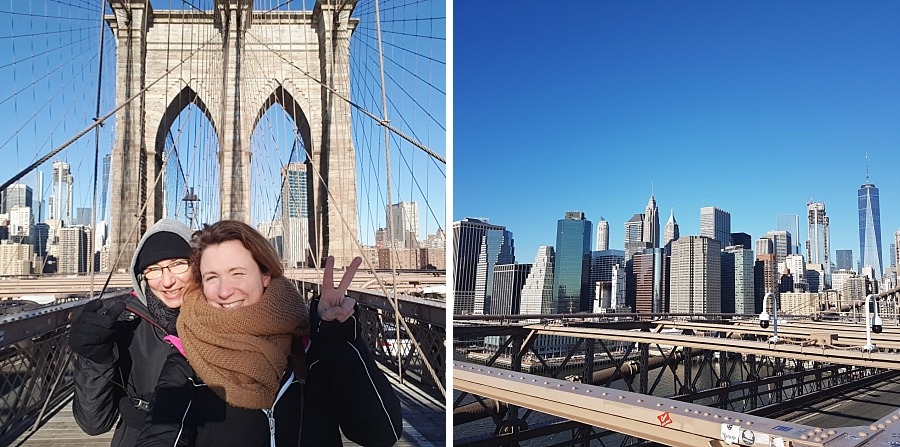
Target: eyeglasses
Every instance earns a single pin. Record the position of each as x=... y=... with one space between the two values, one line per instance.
x=175 y=268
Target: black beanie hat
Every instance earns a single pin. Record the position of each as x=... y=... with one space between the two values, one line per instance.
x=160 y=246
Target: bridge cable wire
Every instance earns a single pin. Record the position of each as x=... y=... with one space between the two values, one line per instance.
x=380 y=122
x=92 y=234
x=96 y=123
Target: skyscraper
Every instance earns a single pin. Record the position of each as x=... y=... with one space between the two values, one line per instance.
x=602 y=235
x=651 y=224
x=72 y=256
x=61 y=197
x=403 y=221
x=817 y=244
x=572 y=268
x=506 y=298
x=896 y=247
x=600 y=280
x=17 y=194
x=672 y=232
x=696 y=274
x=716 y=224
x=634 y=235
x=870 y=228
x=738 y=280
x=104 y=192
x=648 y=281
x=537 y=293
x=468 y=235
x=496 y=248
x=295 y=214
x=791 y=224
x=844 y=259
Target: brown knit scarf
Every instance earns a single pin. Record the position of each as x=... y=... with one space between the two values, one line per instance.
x=242 y=353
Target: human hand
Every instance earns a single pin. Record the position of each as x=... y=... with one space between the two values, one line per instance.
x=334 y=304
x=91 y=334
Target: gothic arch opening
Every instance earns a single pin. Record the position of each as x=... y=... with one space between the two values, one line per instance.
x=187 y=148
x=282 y=177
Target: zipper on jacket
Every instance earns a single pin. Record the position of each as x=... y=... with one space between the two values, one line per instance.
x=270 y=412
x=269 y=415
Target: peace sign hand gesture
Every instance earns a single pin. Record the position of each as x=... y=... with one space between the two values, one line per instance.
x=334 y=304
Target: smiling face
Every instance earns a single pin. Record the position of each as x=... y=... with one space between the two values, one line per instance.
x=230 y=276
x=169 y=287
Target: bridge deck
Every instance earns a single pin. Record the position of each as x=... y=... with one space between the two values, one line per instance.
x=423 y=424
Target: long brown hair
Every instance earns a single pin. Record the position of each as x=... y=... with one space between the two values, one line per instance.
x=262 y=251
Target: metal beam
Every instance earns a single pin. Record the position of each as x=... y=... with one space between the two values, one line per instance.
x=782 y=350
x=658 y=419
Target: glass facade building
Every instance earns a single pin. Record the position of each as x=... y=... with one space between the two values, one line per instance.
x=572 y=269
x=496 y=248
x=870 y=229
x=468 y=235
x=716 y=224
x=844 y=259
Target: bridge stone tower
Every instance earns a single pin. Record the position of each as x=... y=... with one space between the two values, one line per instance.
x=233 y=63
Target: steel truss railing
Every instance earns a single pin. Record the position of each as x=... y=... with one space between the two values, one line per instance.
x=35 y=364
x=722 y=372
x=426 y=320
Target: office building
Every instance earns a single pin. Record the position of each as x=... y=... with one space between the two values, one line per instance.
x=60 y=203
x=602 y=235
x=21 y=224
x=650 y=231
x=104 y=191
x=40 y=239
x=818 y=250
x=403 y=224
x=72 y=256
x=83 y=216
x=15 y=259
x=537 y=292
x=600 y=279
x=672 y=232
x=742 y=239
x=870 y=229
x=716 y=224
x=647 y=281
x=506 y=297
x=16 y=194
x=634 y=236
x=896 y=249
x=765 y=277
x=572 y=267
x=496 y=248
x=791 y=224
x=738 y=265
x=295 y=215
x=468 y=235
x=844 y=259
x=695 y=275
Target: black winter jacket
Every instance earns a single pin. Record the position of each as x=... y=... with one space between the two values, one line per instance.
x=103 y=392
x=345 y=391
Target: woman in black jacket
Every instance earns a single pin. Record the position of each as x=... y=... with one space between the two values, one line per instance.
x=118 y=354
x=235 y=381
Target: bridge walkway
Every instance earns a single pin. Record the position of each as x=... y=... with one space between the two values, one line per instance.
x=423 y=423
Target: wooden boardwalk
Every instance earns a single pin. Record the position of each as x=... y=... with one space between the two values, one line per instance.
x=424 y=424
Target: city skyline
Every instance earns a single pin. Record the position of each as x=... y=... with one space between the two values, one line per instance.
x=705 y=104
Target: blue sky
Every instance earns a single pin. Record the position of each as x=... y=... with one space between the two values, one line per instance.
x=753 y=107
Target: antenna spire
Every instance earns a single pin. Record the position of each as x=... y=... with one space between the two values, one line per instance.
x=867 y=167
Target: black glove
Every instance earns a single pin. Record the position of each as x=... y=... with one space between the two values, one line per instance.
x=92 y=335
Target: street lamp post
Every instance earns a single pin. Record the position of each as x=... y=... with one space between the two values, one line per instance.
x=764 y=317
x=873 y=325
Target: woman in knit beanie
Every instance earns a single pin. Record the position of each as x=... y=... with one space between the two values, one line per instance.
x=238 y=328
